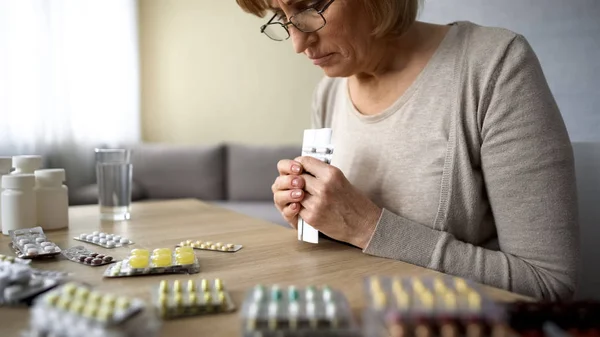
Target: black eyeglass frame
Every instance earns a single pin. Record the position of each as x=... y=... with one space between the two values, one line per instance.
x=285 y=25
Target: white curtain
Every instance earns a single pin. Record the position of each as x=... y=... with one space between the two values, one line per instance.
x=69 y=76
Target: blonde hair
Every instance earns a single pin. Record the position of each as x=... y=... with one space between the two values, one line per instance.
x=391 y=17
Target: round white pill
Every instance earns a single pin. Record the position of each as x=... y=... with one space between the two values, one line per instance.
x=95 y=233
x=38 y=240
x=103 y=241
x=109 y=236
x=46 y=244
x=32 y=251
x=23 y=241
x=117 y=237
x=89 y=237
x=49 y=249
x=83 y=236
x=124 y=240
x=29 y=245
x=110 y=243
x=96 y=239
x=102 y=235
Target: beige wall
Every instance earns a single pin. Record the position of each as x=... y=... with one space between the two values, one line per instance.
x=208 y=76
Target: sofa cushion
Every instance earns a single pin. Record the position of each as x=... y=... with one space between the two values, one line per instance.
x=252 y=169
x=88 y=194
x=257 y=209
x=180 y=171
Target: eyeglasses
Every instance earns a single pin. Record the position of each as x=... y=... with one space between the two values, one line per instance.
x=308 y=20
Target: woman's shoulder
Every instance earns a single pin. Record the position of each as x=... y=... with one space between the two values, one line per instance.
x=485 y=35
x=487 y=45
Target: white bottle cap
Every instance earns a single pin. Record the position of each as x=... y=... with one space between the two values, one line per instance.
x=27 y=163
x=18 y=181
x=50 y=176
x=5 y=165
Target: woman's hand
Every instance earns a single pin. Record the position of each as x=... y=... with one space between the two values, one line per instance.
x=332 y=205
x=287 y=190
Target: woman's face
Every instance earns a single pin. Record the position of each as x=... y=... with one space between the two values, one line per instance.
x=341 y=47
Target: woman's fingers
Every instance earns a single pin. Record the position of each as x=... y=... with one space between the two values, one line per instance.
x=287 y=182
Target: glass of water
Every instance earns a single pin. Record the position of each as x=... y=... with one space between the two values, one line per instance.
x=113 y=175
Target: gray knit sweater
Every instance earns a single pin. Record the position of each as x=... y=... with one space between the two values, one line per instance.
x=473 y=166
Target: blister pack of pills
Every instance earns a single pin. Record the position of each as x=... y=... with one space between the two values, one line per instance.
x=31 y=243
x=85 y=256
x=52 y=274
x=12 y=259
x=104 y=240
x=316 y=144
x=19 y=285
x=209 y=245
x=162 y=261
x=75 y=310
x=191 y=298
x=432 y=306
x=270 y=311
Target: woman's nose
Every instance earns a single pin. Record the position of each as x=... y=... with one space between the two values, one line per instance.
x=302 y=40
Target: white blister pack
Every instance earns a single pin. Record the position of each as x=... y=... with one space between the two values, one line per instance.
x=19 y=285
x=316 y=144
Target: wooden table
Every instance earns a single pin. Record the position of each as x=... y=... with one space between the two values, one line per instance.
x=271 y=254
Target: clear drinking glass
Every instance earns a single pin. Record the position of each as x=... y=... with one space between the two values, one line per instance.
x=113 y=175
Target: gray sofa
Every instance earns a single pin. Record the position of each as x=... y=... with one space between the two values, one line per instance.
x=234 y=176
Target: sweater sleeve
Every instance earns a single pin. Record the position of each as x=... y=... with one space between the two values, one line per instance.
x=528 y=169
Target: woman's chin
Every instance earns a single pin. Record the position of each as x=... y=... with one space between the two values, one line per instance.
x=336 y=70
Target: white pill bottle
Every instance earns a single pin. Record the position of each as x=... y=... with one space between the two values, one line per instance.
x=18 y=202
x=52 y=199
x=26 y=164
x=5 y=167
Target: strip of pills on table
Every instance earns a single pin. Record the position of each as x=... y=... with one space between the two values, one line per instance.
x=315 y=310
x=13 y=259
x=18 y=283
x=160 y=261
x=105 y=240
x=31 y=243
x=85 y=256
x=192 y=297
x=209 y=245
x=80 y=305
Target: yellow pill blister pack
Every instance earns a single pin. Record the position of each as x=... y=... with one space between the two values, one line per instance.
x=12 y=259
x=431 y=305
x=191 y=298
x=76 y=310
x=209 y=245
x=159 y=261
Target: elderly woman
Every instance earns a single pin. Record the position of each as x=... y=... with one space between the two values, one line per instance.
x=450 y=151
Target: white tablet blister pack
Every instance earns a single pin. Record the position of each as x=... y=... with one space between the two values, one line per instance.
x=317 y=144
x=32 y=243
x=105 y=240
x=19 y=284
